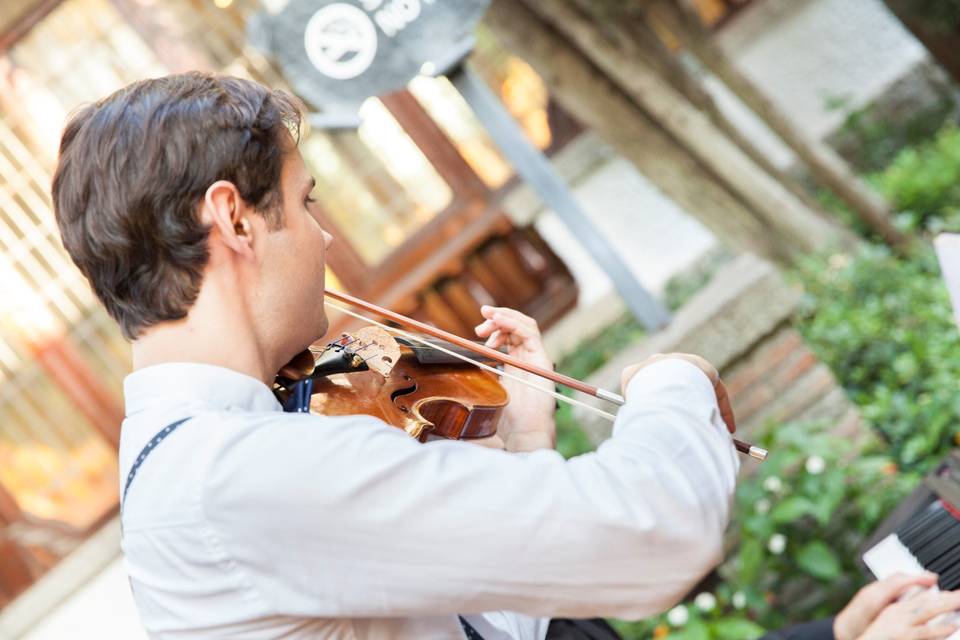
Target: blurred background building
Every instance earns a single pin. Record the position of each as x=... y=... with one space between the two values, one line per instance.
x=411 y=196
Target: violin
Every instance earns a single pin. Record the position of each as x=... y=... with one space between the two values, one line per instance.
x=403 y=382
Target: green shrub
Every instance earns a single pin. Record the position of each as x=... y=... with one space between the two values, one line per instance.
x=870 y=138
x=823 y=497
x=884 y=326
x=799 y=522
x=923 y=183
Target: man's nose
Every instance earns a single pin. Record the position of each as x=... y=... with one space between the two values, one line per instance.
x=327 y=240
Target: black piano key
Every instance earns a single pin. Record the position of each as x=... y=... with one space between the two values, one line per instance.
x=923 y=540
x=950 y=580
x=918 y=522
x=918 y=519
x=953 y=532
x=948 y=568
x=946 y=553
x=938 y=524
x=912 y=528
x=917 y=534
x=945 y=539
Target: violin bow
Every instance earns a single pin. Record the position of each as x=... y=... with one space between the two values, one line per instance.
x=743 y=447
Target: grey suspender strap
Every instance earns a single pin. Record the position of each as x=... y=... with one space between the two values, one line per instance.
x=468 y=630
x=150 y=446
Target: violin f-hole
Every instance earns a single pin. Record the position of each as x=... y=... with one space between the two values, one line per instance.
x=396 y=394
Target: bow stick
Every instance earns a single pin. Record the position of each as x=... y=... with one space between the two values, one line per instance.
x=559 y=378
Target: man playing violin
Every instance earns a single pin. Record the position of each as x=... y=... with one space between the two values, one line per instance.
x=186 y=203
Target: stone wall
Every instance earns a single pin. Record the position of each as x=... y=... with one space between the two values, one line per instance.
x=805 y=53
x=820 y=60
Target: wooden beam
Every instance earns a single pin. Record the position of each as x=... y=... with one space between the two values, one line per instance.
x=27 y=21
x=434 y=144
x=942 y=40
x=587 y=94
x=9 y=509
x=823 y=162
x=163 y=31
x=65 y=366
x=769 y=200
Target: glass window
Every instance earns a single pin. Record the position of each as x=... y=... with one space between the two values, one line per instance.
x=374 y=183
x=56 y=344
x=449 y=110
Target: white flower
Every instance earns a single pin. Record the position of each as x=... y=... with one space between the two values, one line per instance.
x=705 y=601
x=777 y=543
x=815 y=465
x=739 y=600
x=678 y=616
x=773 y=484
x=762 y=505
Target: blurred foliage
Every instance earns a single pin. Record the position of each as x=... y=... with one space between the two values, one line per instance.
x=883 y=323
x=800 y=520
x=870 y=140
x=571 y=440
x=923 y=183
x=597 y=349
x=884 y=326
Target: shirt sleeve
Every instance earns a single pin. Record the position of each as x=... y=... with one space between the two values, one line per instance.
x=349 y=517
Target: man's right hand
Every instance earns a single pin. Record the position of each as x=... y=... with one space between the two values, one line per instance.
x=723 y=399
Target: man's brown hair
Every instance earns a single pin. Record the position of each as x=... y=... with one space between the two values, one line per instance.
x=133 y=170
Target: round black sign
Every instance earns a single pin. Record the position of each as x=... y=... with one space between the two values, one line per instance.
x=336 y=54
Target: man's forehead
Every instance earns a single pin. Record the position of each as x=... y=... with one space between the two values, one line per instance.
x=294 y=167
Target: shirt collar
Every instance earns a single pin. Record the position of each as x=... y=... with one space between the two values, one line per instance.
x=174 y=383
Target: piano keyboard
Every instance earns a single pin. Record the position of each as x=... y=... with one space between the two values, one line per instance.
x=923 y=533
x=929 y=541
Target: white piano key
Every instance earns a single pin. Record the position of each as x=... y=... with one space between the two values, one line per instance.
x=889 y=556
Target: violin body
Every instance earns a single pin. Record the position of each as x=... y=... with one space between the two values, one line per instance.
x=448 y=400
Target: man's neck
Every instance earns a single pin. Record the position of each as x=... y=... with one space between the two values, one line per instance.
x=219 y=330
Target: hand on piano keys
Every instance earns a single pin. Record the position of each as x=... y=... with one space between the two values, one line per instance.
x=925 y=545
x=925 y=614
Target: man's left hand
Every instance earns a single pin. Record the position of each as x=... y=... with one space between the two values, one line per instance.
x=527 y=422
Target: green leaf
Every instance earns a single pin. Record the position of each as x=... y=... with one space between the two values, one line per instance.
x=792 y=509
x=693 y=630
x=751 y=560
x=915 y=448
x=736 y=629
x=819 y=560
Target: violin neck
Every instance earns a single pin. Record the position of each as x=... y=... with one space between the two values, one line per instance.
x=332 y=361
x=426 y=354
x=327 y=363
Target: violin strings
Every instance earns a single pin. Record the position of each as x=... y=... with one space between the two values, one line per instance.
x=504 y=374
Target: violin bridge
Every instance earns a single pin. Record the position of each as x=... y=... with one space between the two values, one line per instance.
x=376 y=348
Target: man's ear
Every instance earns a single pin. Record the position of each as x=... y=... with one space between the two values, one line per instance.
x=224 y=210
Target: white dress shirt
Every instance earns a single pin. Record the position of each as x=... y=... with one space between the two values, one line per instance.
x=248 y=522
